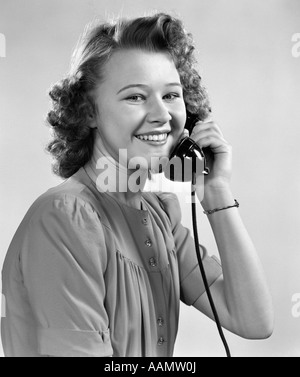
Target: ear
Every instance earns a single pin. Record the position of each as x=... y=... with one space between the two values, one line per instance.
x=92 y=117
x=92 y=122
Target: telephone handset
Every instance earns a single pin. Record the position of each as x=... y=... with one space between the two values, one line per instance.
x=190 y=154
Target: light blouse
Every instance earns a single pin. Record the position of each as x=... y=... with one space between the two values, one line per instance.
x=86 y=275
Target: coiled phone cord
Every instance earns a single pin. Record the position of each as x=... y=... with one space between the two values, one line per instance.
x=193 y=200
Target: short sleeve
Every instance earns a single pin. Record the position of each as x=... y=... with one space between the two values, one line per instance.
x=63 y=262
x=191 y=282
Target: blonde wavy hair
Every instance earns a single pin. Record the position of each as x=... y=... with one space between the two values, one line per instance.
x=72 y=102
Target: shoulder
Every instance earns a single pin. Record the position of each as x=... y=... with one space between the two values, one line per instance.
x=62 y=221
x=72 y=200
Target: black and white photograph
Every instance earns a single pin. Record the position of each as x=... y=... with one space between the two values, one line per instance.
x=150 y=191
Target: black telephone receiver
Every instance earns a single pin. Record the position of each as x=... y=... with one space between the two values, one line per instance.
x=186 y=149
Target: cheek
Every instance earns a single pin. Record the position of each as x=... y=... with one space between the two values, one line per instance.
x=179 y=119
x=122 y=120
x=112 y=124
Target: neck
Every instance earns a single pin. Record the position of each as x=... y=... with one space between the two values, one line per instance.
x=113 y=177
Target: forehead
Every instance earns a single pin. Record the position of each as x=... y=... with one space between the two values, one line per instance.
x=138 y=65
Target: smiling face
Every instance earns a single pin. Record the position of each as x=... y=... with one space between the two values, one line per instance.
x=140 y=105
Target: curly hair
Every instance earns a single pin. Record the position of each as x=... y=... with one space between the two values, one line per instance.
x=72 y=100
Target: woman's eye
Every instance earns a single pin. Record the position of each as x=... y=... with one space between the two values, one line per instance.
x=135 y=98
x=171 y=96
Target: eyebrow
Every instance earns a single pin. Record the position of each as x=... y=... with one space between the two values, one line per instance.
x=146 y=86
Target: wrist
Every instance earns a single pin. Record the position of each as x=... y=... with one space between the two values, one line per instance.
x=216 y=197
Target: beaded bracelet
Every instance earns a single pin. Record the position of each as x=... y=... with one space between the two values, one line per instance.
x=210 y=211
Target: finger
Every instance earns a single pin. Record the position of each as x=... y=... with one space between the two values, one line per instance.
x=200 y=134
x=215 y=143
x=206 y=126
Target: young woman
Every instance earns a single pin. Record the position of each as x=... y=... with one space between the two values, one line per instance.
x=95 y=272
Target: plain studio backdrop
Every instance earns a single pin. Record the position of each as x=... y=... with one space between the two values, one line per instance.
x=249 y=60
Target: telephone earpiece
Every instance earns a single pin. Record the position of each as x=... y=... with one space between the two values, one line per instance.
x=190 y=156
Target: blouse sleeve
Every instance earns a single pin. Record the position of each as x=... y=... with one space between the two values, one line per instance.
x=191 y=283
x=63 y=263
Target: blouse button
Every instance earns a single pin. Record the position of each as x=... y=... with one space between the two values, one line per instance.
x=152 y=262
x=160 y=321
x=145 y=221
x=148 y=243
x=160 y=341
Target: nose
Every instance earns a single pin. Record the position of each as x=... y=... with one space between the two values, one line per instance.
x=158 y=112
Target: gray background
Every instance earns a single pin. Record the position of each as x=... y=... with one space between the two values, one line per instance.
x=245 y=56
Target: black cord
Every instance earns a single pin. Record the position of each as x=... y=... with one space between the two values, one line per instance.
x=202 y=268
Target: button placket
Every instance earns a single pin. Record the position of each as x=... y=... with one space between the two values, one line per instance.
x=152 y=260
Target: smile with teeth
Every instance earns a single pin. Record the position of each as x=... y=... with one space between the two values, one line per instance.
x=154 y=137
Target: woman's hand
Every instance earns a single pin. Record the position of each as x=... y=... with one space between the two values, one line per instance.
x=218 y=153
